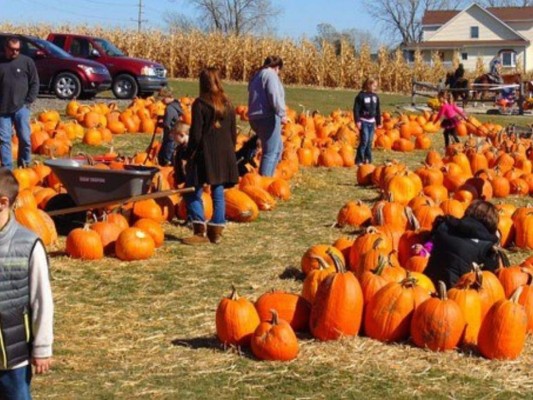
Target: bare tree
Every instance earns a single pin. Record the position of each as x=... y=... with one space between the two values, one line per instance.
x=355 y=37
x=236 y=16
x=402 y=18
x=176 y=21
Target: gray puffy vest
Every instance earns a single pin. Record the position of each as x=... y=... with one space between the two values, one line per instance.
x=16 y=246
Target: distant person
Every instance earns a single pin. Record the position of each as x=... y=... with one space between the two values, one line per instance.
x=26 y=305
x=19 y=86
x=494 y=72
x=173 y=113
x=459 y=73
x=210 y=157
x=180 y=135
x=457 y=243
x=266 y=112
x=451 y=116
x=367 y=115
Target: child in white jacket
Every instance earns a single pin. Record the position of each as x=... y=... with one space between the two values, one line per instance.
x=26 y=306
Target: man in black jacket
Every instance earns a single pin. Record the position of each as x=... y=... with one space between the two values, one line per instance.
x=19 y=86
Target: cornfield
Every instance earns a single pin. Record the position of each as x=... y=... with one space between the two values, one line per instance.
x=305 y=63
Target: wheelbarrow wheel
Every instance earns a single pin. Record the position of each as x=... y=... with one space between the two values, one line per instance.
x=66 y=222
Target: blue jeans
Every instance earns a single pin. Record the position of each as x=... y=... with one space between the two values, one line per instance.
x=195 y=206
x=366 y=137
x=269 y=132
x=164 y=157
x=21 y=120
x=15 y=384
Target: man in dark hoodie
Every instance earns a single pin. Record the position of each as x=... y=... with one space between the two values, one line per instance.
x=173 y=113
x=457 y=243
x=19 y=86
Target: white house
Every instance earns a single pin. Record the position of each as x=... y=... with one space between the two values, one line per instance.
x=477 y=32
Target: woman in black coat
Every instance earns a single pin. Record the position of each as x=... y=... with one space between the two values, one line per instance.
x=457 y=243
x=210 y=156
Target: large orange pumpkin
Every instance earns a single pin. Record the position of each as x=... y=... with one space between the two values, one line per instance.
x=438 y=322
x=236 y=320
x=338 y=306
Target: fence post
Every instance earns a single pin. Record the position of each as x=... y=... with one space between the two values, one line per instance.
x=521 y=97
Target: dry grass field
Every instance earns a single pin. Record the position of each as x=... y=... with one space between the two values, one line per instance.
x=146 y=330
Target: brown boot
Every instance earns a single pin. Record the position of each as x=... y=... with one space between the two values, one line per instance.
x=214 y=232
x=198 y=236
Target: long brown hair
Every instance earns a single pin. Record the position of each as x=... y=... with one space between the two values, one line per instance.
x=212 y=92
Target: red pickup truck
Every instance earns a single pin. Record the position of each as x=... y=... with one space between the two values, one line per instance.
x=131 y=76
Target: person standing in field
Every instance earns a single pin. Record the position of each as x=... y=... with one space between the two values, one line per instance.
x=173 y=113
x=451 y=115
x=210 y=157
x=26 y=305
x=19 y=86
x=266 y=112
x=367 y=115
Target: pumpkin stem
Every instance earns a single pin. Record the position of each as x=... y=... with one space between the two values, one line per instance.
x=234 y=295
x=411 y=218
x=382 y=263
x=274 y=320
x=441 y=291
x=377 y=243
x=339 y=265
x=516 y=294
x=321 y=262
x=479 y=275
x=409 y=280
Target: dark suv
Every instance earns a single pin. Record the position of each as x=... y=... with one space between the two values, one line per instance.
x=131 y=76
x=60 y=73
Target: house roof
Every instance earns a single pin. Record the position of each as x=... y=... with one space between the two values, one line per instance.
x=506 y=14
x=464 y=44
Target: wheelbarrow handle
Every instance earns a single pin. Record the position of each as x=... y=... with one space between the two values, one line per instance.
x=153 y=195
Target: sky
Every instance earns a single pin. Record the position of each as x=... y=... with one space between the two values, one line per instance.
x=298 y=17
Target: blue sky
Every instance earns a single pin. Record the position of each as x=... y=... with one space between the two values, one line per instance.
x=298 y=17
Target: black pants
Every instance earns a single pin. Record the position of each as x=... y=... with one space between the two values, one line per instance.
x=450 y=132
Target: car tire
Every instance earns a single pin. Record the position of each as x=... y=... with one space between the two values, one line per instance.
x=125 y=87
x=67 y=86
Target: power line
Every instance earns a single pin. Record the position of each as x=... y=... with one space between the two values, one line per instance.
x=140 y=20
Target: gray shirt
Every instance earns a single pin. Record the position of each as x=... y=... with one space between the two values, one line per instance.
x=266 y=96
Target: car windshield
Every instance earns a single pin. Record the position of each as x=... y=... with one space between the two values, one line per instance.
x=52 y=48
x=109 y=48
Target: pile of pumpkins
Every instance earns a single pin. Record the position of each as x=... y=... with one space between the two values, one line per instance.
x=384 y=302
x=374 y=284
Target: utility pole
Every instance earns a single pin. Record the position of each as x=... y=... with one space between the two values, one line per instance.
x=139 y=17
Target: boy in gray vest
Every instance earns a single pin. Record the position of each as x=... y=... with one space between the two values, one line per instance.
x=26 y=307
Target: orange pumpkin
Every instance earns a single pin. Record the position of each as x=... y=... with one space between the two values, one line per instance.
x=134 y=244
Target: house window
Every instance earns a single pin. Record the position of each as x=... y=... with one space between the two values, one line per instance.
x=474 y=32
x=409 y=55
x=508 y=58
x=464 y=56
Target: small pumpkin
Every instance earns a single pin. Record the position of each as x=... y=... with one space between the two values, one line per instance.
x=134 y=244
x=85 y=244
x=274 y=340
x=236 y=320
